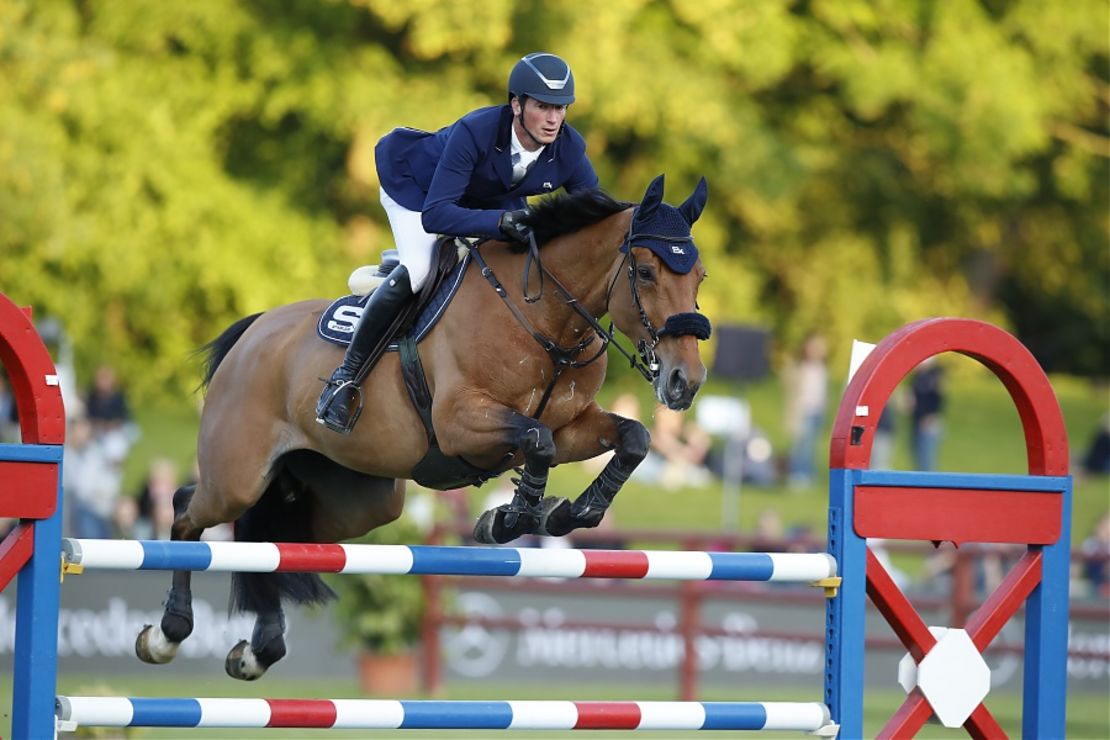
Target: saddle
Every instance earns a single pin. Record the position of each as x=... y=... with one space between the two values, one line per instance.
x=337 y=324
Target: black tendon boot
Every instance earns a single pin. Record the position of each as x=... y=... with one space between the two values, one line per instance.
x=341 y=402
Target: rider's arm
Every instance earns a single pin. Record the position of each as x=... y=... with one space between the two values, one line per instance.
x=442 y=213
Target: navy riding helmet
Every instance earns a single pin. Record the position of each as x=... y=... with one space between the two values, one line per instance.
x=542 y=76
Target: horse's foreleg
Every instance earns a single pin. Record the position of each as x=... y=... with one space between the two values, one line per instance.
x=159 y=643
x=590 y=434
x=521 y=516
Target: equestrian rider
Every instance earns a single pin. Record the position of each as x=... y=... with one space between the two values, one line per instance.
x=468 y=179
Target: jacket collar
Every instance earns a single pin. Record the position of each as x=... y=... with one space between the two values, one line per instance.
x=504 y=128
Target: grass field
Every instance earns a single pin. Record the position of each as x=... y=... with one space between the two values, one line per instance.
x=982 y=434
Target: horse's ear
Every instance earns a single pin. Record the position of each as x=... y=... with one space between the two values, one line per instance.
x=693 y=206
x=653 y=196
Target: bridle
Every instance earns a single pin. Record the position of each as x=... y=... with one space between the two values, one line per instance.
x=644 y=360
x=679 y=324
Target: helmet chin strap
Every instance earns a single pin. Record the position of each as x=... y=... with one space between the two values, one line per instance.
x=520 y=117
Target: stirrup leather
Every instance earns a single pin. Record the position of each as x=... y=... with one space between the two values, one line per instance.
x=336 y=409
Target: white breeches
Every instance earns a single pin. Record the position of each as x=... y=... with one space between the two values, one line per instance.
x=414 y=245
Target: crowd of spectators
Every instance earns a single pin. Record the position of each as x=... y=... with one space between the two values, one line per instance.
x=100 y=436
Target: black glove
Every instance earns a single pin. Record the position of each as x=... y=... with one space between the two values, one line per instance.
x=511 y=225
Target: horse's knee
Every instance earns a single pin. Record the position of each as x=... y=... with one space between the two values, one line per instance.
x=635 y=441
x=538 y=444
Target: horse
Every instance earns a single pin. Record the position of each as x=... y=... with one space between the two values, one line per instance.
x=511 y=381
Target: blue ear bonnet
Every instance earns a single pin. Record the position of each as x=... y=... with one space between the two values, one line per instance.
x=668 y=235
x=664 y=229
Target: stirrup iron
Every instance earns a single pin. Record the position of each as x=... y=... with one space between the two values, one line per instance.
x=342 y=419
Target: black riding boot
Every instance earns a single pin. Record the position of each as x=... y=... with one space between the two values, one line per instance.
x=341 y=402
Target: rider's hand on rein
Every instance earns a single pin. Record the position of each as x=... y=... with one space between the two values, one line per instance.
x=511 y=225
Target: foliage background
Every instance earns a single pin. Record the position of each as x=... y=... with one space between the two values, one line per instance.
x=168 y=167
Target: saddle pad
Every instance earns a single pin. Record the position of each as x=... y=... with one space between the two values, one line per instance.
x=337 y=322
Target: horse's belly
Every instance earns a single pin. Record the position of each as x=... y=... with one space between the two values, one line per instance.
x=381 y=444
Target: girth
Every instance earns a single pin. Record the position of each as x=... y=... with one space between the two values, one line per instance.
x=436 y=470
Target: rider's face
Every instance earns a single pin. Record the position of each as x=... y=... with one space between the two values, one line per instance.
x=541 y=120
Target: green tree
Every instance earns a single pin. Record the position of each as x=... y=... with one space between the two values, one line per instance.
x=168 y=167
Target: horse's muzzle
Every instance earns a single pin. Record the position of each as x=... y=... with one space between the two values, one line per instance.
x=675 y=389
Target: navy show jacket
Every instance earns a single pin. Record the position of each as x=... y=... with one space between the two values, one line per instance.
x=460 y=177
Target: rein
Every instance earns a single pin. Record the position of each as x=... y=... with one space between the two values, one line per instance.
x=644 y=361
x=561 y=357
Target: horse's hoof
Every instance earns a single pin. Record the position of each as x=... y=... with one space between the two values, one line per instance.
x=491 y=529
x=555 y=517
x=242 y=664
x=483 y=530
x=151 y=646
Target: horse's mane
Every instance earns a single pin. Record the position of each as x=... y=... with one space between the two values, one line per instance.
x=563 y=214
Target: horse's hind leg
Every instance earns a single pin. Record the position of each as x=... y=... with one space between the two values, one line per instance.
x=159 y=643
x=342 y=504
x=247 y=661
x=284 y=513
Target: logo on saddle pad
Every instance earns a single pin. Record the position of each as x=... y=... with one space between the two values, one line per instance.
x=344 y=319
x=338 y=321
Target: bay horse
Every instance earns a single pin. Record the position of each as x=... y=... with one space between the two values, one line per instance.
x=512 y=380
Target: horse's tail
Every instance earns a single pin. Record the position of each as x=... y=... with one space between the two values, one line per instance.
x=215 y=351
x=281 y=515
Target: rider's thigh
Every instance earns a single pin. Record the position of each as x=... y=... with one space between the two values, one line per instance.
x=414 y=245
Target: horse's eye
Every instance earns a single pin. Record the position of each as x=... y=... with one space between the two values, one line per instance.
x=645 y=273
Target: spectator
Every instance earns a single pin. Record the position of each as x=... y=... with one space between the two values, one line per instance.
x=800 y=538
x=1096 y=461
x=769 y=536
x=679 y=448
x=807 y=386
x=882 y=450
x=154 y=505
x=1096 y=557
x=89 y=482
x=106 y=404
x=928 y=402
x=127 y=519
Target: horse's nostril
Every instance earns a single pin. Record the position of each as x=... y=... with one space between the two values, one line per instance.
x=676 y=384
